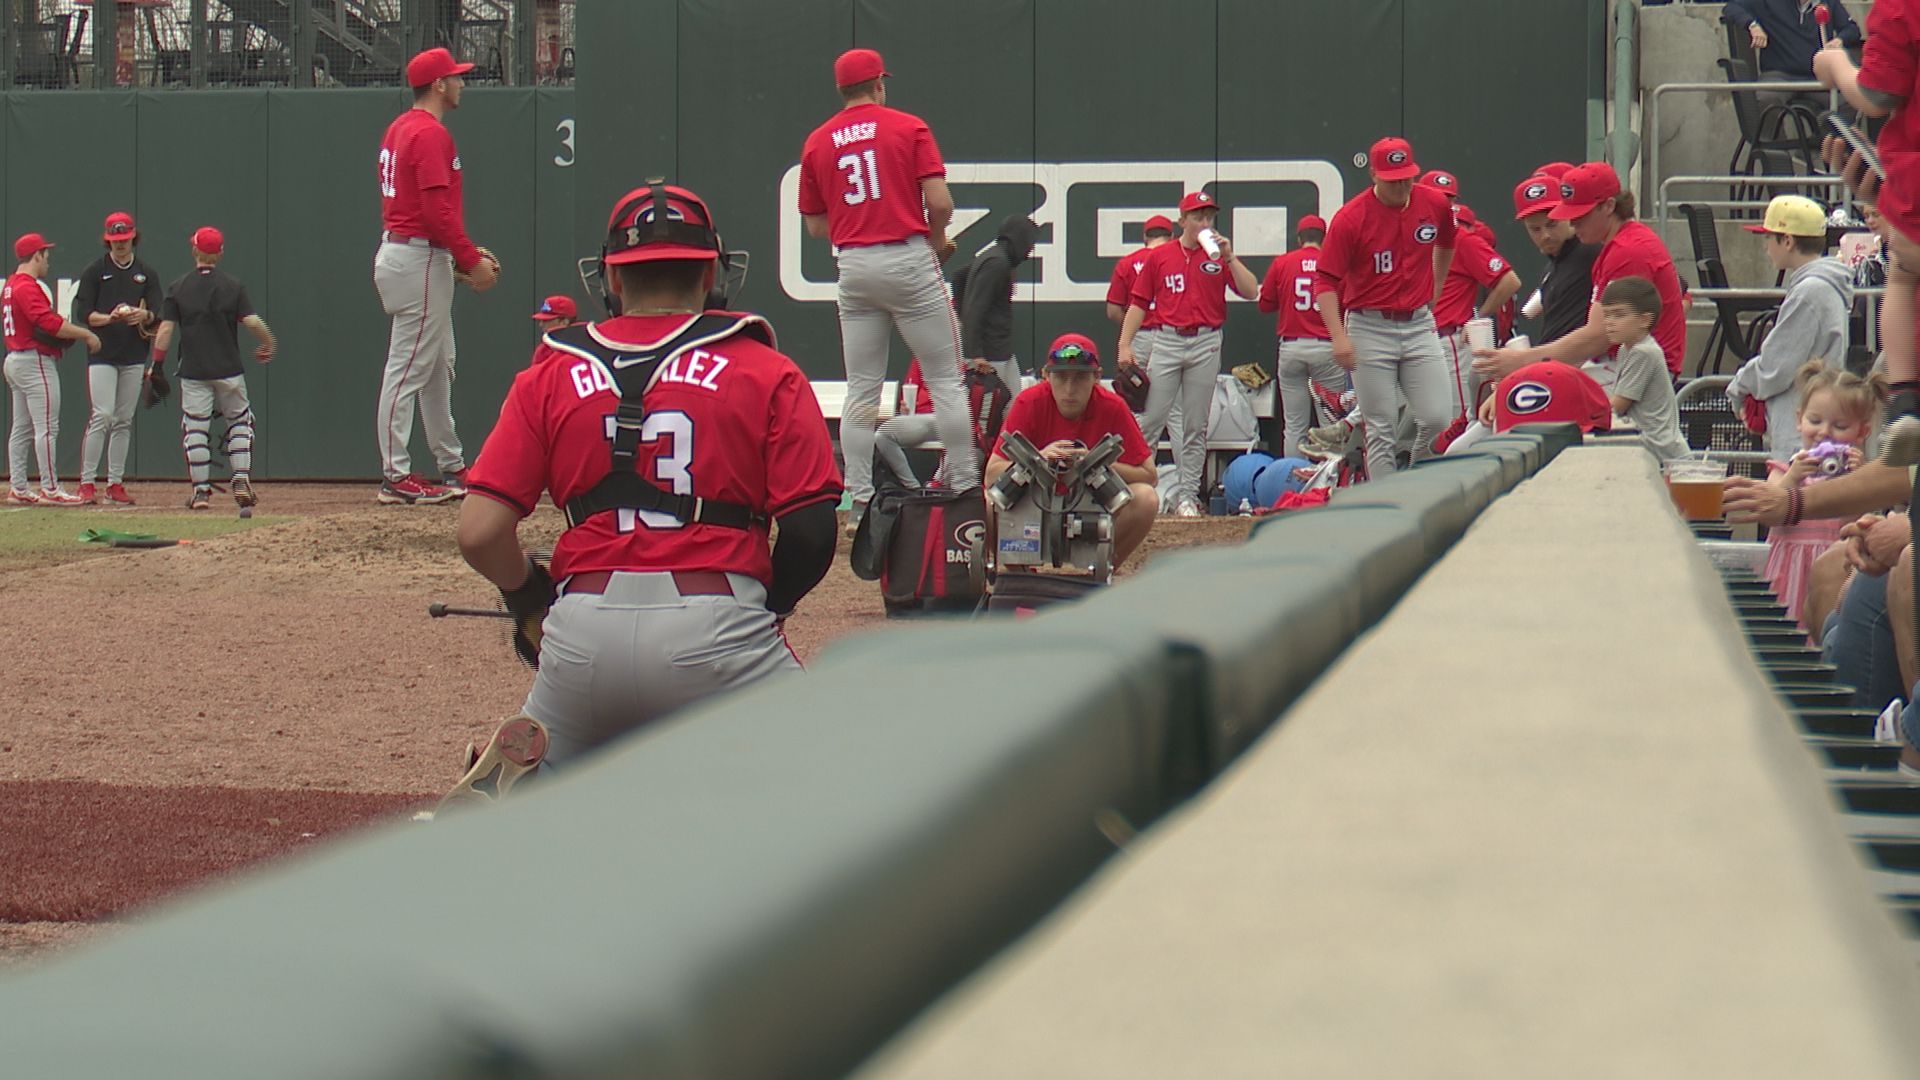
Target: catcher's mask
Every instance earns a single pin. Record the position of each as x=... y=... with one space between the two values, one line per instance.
x=662 y=221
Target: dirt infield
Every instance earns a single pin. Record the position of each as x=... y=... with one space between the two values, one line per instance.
x=193 y=710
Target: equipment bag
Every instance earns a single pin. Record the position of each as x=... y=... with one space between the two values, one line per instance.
x=919 y=546
x=1025 y=593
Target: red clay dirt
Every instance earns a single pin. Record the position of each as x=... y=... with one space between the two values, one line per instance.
x=192 y=710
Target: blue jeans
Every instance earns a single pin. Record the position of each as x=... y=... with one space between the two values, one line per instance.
x=1858 y=642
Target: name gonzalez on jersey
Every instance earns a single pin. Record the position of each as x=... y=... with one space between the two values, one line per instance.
x=696 y=368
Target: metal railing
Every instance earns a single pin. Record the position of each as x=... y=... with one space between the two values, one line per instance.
x=1651 y=123
x=1661 y=202
x=1701 y=296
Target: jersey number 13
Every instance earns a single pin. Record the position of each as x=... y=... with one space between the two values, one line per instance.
x=672 y=469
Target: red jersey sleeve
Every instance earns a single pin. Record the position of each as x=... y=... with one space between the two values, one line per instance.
x=432 y=153
x=37 y=310
x=1478 y=261
x=1120 y=286
x=811 y=204
x=1019 y=418
x=1887 y=61
x=1269 y=299
x=926 y=153
x=799 y=462
x=1148 y=278
x=1449 y=228
x=511 y=468
x=1335 y=252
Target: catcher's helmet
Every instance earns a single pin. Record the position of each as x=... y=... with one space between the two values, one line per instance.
x=660 y=221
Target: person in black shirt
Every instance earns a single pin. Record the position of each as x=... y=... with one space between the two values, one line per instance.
x=1565 y=296
x=986 y=301
x=207 y=307
x=119 y=298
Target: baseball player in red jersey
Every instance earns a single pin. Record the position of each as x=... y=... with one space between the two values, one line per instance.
x=423 y=243
x=1602 y=214
x=34 y=332
x=1476 y=267
x=674 y=437
x=872 y=181
x=1184 y=286
x=1387 y=252
x=1306 y=350
x=1157 y=230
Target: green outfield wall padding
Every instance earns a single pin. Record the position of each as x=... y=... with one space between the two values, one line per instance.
x=1376 y=551
x=765 y=887
x=1483 y=477
x=1512 y=459
x=289 y=176
x=1553 y=438
x=1531 y=447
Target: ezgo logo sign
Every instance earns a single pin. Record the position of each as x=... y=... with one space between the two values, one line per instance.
x=1083 y=210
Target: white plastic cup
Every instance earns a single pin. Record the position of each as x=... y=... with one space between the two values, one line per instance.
x=1210 y=243
x=1480 y=333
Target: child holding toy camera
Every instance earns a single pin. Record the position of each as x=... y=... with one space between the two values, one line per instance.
x=1838 y=410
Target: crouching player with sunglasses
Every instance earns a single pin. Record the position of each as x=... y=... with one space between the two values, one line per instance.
x=1070 y=411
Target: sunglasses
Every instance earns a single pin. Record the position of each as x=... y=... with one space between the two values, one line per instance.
x=1070 y=354
x=119 y=228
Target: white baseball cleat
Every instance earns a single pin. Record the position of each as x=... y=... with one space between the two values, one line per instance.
x=516 y=748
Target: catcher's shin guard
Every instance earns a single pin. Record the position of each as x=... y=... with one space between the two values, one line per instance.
x=237 y=444
x=196 y=439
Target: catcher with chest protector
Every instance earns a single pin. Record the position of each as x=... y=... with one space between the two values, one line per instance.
x=674 y=436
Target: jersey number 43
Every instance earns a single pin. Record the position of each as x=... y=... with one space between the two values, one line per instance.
x=672 y=468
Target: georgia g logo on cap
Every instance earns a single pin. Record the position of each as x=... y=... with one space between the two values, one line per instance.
x=1396 y=157
x=1426 y=233
x=1566 y=190
x=1536 y=191
x=1528 y=397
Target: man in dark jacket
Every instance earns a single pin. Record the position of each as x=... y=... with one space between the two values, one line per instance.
x=1785 y=36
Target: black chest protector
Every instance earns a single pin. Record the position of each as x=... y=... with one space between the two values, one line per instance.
x=633 y=373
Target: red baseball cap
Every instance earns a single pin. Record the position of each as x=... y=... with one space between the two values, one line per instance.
x=30 y=245
x=208 y=240
x=1551 y=392
x=1583 y=188
x=857 y=66
x=1157 y=221
x=1392 y=159
x=433 y=64
x=634 y=236
x=119 y=226
x=1074 y=351
x=1537 y=194
x=1464 y=215
x=1555 y=169
x=1311 y=221
x=1197 y=200
x=1437 y=178
x=556 y=307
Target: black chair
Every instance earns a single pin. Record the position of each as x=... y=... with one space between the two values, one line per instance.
x=1791 y=129
x=1740 y=44
x=1729 y=334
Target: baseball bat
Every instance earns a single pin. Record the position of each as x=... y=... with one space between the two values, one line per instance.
x=439 y=610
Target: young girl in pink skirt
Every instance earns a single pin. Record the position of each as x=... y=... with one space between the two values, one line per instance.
x=1837 y=412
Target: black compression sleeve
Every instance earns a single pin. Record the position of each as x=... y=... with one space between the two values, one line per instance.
x=802 y=554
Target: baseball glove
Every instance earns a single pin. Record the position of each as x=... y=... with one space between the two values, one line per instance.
x=528 y=604
x=1252 y=376
x=156 y=387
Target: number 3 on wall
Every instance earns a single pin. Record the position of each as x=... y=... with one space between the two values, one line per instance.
x=565 y=130
x=865 y=185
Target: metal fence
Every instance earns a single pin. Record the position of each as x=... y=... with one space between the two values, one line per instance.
x=146 y=44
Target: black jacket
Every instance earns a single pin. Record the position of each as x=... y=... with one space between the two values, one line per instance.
x=103 y=287
x=984 y=292
x=1792 y=35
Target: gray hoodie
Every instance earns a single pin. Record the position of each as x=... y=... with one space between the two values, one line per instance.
x=1812 y=324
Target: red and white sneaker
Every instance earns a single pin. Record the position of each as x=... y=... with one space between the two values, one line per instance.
x=516 y=749
x=456 y=482
x=58 y=497
x=86 y=493
x=23 y=497
x=412 y=491
x=117 y=493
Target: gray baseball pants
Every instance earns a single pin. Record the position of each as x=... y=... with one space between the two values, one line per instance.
x=34 y=385
x=884 y=286
x=915 y=429
x=113 y=389
x=1403 y=357
x=415 y=283
x=200 y=399
x=1183 y=370
x=617 y=662
x=1466 y=385
x=1301 y=359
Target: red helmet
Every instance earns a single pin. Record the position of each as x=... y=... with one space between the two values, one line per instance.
x=660 y=221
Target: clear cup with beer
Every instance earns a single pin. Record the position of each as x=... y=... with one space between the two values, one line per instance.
x=1694 y=484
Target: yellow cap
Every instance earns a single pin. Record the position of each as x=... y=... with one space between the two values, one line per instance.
x=1793 y=215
